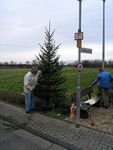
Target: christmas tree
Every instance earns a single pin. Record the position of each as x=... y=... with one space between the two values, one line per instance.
x=50 y=84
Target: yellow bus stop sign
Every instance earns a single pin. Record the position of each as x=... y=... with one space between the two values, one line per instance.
x=79 y=43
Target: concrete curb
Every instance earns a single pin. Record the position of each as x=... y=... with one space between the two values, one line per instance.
x=78 y=125
x=63 y=133
x=45 y=136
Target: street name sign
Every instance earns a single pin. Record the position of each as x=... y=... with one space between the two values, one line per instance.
x=86 y=50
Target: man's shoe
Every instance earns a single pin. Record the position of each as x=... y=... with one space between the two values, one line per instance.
x=34 y=109
x=29 y=112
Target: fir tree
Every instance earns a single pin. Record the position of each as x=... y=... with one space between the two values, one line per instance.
x=50 y=89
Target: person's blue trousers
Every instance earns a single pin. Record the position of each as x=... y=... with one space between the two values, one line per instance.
x=29 y=101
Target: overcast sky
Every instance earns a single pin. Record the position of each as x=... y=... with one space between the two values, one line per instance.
x=22 y=28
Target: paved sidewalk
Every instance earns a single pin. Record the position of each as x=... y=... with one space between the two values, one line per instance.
x=11 y=139
x=56 y=131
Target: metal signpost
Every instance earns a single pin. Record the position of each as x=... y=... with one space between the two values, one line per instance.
x=103 y=40
x=79 y=38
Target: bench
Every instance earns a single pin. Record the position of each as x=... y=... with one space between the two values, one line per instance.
x=85 y=92
x=84 y=108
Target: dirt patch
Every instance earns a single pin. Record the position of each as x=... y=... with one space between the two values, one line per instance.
x=100 y=118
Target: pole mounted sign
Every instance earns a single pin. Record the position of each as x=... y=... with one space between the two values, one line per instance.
x=79 y=43
x=80 y=67
x=86 y=50
x=78 y=36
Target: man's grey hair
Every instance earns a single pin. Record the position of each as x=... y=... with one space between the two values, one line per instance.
x=34 y=69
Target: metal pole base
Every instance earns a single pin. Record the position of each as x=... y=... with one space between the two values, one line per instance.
x=77 y=125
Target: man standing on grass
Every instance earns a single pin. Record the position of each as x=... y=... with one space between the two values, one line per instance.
x=104 y=82
x=30 y=82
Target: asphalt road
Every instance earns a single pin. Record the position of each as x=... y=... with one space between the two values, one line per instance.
x=13 y=139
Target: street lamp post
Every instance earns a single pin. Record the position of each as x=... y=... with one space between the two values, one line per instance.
x=78 y=72
x=103 y=38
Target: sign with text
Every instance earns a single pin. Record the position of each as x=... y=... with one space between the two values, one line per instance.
x=79 y=43
x=78 y=36
x=86 y=50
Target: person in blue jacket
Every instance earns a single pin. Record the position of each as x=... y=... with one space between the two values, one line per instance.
x=104 y=82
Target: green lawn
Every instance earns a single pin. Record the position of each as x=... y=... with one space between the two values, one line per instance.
x=12 y=79
x=87 y=75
